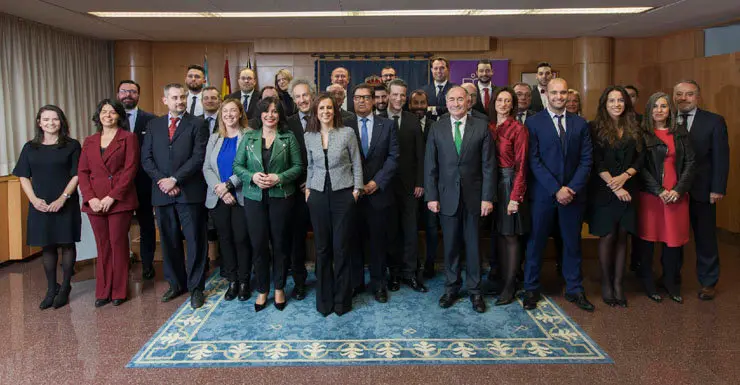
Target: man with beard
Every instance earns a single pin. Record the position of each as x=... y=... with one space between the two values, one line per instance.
x=339 y=94
x=194 y=79
x=387 y=74
x=211 y=103
x=247 y=91
x=302 y=91
x=381 y=100
x=486 y=89
x=539 y=98
x=437 y=89
x=137 y=119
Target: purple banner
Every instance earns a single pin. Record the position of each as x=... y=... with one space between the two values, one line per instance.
x=463 y=71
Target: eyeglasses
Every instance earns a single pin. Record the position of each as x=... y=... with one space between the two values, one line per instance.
x=361 y=97
x=132 y=92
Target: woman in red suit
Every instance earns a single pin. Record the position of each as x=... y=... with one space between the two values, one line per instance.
x=512 y=216
x=667 y=173
x=108 y=165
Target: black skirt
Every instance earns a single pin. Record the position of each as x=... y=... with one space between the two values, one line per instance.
x=515 y=224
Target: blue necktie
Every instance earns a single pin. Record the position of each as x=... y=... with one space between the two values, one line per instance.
x=365 y=140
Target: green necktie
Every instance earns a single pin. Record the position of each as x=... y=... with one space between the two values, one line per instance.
x=458 y=136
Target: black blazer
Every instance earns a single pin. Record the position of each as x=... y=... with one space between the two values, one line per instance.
x=471 y=176
x=536 y=105
x=655 y=153
x=411 y=155
x=528 y=114
x=614 y=159
x=142 y=181
x=295 y=126
x=708 y=137
x=381 y=163
x=426 y=127
x=440 y=103
x=253 y=100
x=348 y=117
x=181 y=158
x=478 y=106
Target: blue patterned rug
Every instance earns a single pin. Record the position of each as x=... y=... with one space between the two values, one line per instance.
x=410 y=329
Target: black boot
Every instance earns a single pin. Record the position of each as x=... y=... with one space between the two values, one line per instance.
x=62 y=298
x=232 y=291
x=49 y=299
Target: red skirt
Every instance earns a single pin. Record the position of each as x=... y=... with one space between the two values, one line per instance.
x=660 y=222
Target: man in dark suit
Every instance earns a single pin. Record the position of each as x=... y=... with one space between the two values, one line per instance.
x=381 y=100
x=485 y=87
x=173 y=154
x=524 y=100
x=387 y=74
x=247 y=94
x=708 y=135
x=560 y=160
x=539 y=91
x=418 y=106
x=302 y=91
x=340 y=76
x=473 y=95
x=195 y=79
x=634 y=95
x=408 y=187
x=338 y=94
x=460 y=185
x=211 y=103
x=437 y=89
x=379 y=149
x=128 y=95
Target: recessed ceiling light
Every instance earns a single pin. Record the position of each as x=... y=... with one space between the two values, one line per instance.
x=403 y=12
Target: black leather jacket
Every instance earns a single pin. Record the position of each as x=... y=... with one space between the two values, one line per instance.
x=656 y=150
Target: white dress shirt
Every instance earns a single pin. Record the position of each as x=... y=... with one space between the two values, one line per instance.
x=542 y=96
x=198 y=103
x=555 y=121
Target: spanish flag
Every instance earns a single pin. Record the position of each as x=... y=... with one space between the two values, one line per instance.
x=226 y=84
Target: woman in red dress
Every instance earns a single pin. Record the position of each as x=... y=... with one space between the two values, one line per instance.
x=512 y=218
x=663 y=202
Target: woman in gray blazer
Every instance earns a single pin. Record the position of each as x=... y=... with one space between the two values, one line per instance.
x=225 y=199
x=333 y=184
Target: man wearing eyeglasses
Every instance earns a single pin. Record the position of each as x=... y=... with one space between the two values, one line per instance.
x=248 y=93
x=136 y=118
x=387 y=74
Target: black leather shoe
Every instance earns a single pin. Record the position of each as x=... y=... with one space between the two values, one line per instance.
x=259 y=307
x=655 y=297
x=504 y=299
x=299 y=292
x=530 y=300
x=232 y=291
x=415 y=284
x=394 y=284
x=197 y=299
x=580 y=300
x=118 y=302
x=447 y=300
x=147 y=273
x=479 y=305
x=244 y=291
x=381 y=296
x=610 y=301
x=429 y=271
x=358 y=290
x=101 y=302
x=62 y=298
x=49 y=299
x=171 y=294
x=280 y=306
x=675 y=297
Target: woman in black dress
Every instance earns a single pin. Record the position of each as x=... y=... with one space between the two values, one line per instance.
x=618 y=155
x=47 y=168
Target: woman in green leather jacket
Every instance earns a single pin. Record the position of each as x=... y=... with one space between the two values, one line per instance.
x=268 y=162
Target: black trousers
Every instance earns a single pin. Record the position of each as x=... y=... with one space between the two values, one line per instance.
x=145 y=217
x=233 y=242
x=459 y=229
x=671 y=260
x=268 y=222
x=431 y=230
x=703 y=218
x=301 y=221
x=189 y=221
x=372 y=235
x=332 y=218
x=404 y=235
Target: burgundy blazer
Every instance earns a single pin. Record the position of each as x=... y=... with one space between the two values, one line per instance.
x=110 y=174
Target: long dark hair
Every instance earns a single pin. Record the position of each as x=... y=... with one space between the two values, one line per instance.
x=121 y=122
x=264 y=106
x=606 y=130
x=314 y=125
x=492 y=114
x=648 y=126
x=38 y=139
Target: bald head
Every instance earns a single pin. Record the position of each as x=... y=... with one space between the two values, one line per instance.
x=472 y=93
x=557 y=95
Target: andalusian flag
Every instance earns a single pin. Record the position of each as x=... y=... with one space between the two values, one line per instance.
x=226 y=84
x=205 y=67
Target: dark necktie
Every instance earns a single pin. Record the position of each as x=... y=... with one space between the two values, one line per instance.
x=439 y=91
x=395 y=120
x=561 y=131
x=128 y=120
x=192 y=105
x=685 y=120
x=246 y=104
x=173 y=126
x=211 y=120
x=304 y=122
x=520 y=117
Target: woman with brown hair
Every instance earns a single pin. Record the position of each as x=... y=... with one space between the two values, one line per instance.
x=618 y=156
x=512 y=216
x=667 y=173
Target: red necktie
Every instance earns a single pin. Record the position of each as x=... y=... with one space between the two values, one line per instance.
x=486 y=98
x=173 y=126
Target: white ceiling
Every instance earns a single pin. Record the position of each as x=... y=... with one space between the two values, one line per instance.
x=670 y=15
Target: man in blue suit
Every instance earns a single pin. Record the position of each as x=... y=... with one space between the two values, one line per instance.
x=379 y=149
x=437 y=89
x=460 y=185
x=560 y=159
x=173 y=154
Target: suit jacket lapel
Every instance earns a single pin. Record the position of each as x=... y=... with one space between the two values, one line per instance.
x=184 y=119
x=569 y=126
x=97 y=157
x=553 y=132
x=446 y=135
x=114 y=145
x=377 y=127
x=469 y=130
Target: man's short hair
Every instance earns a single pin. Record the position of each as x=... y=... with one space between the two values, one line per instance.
x=128 y=81
x=633 y=88
x=543 y=64
x=380 y=87
x=441 y=58
x=420 y=92
x=689 y=81
x=299 y=81
x=388 y=68
x=197 y=67
x=484 y=61
x=172 y=85
x=212 y=88
x=363 y=86
x=522 y=84
x=399 y=83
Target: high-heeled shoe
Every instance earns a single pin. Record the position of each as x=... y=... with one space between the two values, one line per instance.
x=49 y=299
x=280 y=305
x=258 y=307
x=62 y=298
